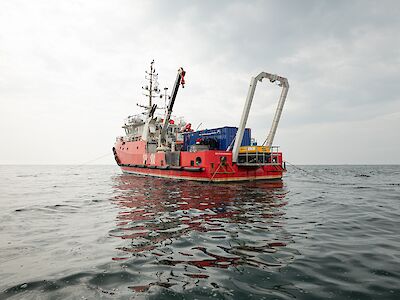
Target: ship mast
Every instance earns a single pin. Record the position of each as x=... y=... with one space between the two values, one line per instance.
x=151 y=90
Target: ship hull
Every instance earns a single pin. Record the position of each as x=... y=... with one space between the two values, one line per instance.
x=206 y=166
x=202 y=177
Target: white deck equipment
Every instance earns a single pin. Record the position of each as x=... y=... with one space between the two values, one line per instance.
x=283 y=82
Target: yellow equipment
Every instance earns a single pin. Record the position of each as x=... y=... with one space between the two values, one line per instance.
x=254 y=149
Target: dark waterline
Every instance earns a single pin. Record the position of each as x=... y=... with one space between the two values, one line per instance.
x=92 y=232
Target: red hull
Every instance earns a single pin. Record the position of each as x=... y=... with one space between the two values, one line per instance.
x=210 y=165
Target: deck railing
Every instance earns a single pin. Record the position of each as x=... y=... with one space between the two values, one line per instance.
x=259 y=158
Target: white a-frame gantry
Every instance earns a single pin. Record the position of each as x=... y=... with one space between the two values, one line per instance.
x=283 y=82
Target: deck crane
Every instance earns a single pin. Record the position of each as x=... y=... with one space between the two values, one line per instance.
x=180 y=80
x=283 y=82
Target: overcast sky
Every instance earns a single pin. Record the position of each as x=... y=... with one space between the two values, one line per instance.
x=71 y=71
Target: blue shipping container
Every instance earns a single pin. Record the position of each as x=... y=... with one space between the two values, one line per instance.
x=217 y=138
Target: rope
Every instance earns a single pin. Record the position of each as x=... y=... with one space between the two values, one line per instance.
x=309 y=173
x=212 y=177
x=90 y=161
x=198 y=126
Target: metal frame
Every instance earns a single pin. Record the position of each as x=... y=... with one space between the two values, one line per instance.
x=283 y=82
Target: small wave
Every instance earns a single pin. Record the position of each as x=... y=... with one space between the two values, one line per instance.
x=122 y=237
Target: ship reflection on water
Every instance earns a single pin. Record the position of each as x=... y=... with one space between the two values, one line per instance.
x=177 y=234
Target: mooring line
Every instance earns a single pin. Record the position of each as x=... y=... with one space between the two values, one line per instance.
x=90 y=161
x=309 y=173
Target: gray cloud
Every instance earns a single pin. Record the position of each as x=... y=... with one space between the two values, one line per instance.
x=72 y=70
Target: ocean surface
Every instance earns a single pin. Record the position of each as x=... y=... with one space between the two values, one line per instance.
x=90 y=232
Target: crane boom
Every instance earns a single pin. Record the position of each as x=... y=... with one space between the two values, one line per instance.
x=179 y=80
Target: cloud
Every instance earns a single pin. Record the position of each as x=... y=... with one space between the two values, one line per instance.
x=70 y=71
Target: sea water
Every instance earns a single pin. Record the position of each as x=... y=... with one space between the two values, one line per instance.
x=90 y=232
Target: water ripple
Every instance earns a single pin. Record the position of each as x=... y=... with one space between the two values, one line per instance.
x=93 y=232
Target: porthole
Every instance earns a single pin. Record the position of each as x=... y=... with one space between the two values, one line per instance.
x=198 y=161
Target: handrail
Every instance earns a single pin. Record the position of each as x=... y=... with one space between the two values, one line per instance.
x=259 y=158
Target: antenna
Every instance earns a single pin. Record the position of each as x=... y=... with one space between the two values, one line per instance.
x=151 y=90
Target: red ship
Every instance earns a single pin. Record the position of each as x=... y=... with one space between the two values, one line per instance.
x=161 y=147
